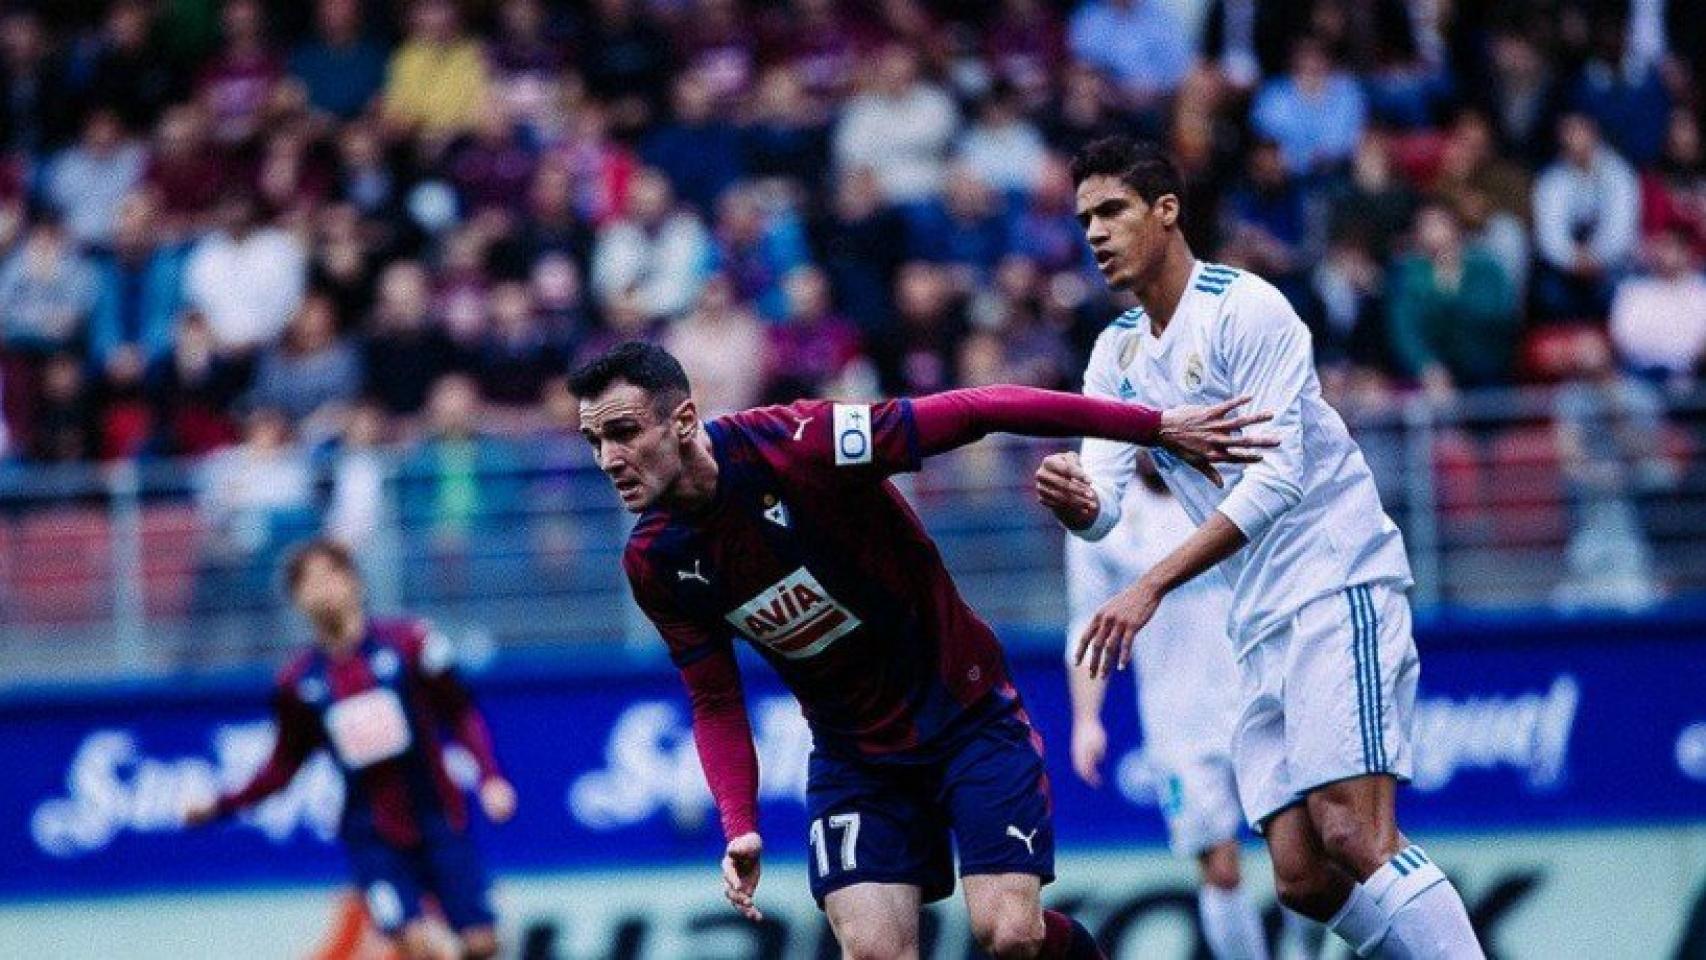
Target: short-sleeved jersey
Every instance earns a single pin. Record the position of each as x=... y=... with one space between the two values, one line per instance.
x=812 y=556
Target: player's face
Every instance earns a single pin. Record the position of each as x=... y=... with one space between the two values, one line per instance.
x=1128 y=235
x=326 y=592
x=636 y=447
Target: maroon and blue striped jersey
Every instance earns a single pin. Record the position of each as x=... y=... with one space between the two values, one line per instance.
x=811 y=555
x=381 y=710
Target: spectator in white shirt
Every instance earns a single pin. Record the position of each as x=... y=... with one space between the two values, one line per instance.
x=1658 y=321
x=1142 y=45
x=248 y=278
x=1587 y=207
x=89 y=182
x=1316 y=114
x=46 y=292
x=901 y=128
x=659 y=253
x=1002 y=146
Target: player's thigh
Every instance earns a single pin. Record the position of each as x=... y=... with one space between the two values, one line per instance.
x=1262 y=774
x=391 y=883
x=1220 y=866
x=997 y=795
x=1350 y=688
x=875 y=920
x=458 y=878
x=874 y=824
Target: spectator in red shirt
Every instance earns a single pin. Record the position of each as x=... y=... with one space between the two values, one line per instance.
x=185 y=171
x=809 y=352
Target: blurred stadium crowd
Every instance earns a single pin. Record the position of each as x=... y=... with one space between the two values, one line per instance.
x=301 y=220
x=279 y=238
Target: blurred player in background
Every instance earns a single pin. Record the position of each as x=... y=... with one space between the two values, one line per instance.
x=1320 y=617
x=779 y=525
x=1187 y=700
x=376 y=693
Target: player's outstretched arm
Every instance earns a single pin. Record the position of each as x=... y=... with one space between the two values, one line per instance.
x=1089 y=736
x=1200 y=436
x=1107 y=641
x=297 y=738
x=456 y=707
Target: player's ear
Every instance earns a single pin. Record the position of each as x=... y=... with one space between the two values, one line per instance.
x=1167 y=208
x=685 y=419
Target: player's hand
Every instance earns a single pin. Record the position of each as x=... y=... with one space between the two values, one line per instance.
x=1064 y=488
x=1107 y=640
x=1203 y=436
x=1089 y=749
x=201 y=811
x=740 y=874
x=497 y=798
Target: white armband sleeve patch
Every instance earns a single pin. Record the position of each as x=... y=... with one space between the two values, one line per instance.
x=852 y=434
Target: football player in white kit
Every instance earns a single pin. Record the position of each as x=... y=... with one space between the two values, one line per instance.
x=1320 y=617
x=1187 y=700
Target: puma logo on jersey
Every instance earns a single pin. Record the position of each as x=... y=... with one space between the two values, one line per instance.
x=1026 y=839
x=693 y=574
x=796 y=617
x=800 y=430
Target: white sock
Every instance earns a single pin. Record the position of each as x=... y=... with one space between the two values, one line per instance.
x=1427 y=919
x=1300 y=937
x=1360 y=922
x=1231 y=924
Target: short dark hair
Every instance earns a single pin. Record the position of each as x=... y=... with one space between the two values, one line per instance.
x=1139 y=164
x=649 y=367
x=320 y=548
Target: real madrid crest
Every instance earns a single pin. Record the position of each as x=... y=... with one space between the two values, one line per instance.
x=1193 y=372
x=1128 y=350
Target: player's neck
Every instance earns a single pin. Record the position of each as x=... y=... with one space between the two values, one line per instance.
x=345 y=634
x=697 y=487
x=1160 y=294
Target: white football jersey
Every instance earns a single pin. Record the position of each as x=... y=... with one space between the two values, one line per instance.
x=1187 y=680
x=1309 y=509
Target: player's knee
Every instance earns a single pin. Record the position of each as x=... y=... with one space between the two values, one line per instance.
x=479 y=944
x=419 y=941
x=1359 y=840
x=1305 y=885
x=875 y=941
x=1010 y=933
x=1220 y=868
